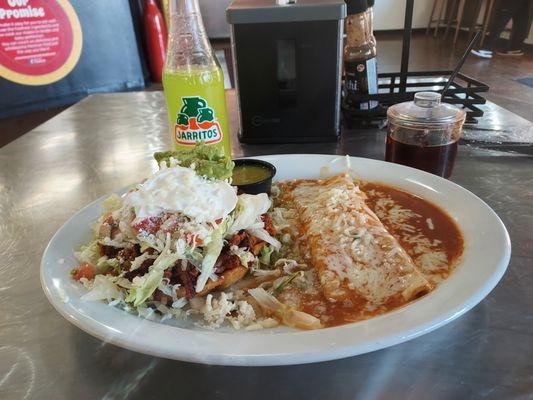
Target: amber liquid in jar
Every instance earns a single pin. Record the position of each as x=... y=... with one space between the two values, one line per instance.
x=432 y=149
x=438 y=160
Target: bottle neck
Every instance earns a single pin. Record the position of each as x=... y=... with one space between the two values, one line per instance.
x=360 y=43
x=188 y=44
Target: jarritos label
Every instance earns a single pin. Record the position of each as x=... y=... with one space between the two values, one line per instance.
x=196 y=122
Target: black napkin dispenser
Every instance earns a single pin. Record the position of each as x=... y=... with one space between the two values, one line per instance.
x=287 y=59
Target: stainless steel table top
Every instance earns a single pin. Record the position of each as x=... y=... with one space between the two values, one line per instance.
x=106 y=142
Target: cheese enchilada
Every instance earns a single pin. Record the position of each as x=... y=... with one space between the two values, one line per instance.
x=354 y=255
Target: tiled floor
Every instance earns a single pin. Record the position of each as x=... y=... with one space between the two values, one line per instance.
x=427 y=53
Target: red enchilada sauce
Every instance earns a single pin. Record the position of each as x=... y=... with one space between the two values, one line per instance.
x=419 y=226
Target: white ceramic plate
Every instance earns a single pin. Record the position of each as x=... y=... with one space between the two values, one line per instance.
x=486 y=255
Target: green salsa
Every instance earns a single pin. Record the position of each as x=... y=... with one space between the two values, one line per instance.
x=249 y=173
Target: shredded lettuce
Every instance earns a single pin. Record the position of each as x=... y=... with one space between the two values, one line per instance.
x=262 y=234
x=103 y=288
x=103 y=265
x=266 y=252
x=112 y=203
x=244 y=256
x=288 y=315
x=286 y=281
x=139 y=260
x=248 y=212
x=212 y=251
x=143 y=287
x=89 y=253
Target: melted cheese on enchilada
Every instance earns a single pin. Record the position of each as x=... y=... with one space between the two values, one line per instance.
x=355 y=257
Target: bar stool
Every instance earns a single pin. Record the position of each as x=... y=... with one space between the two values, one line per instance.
x=439 y=5
x=487 y=17
x=460 y=4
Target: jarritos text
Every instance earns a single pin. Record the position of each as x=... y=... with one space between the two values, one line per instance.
x=196 y=122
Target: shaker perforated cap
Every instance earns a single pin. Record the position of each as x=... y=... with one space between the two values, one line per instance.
x=425 y=110
x=356 y=6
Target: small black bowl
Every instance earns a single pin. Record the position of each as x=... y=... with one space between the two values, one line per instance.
x=262 y=186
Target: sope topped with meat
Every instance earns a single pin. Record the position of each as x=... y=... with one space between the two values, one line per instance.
x=176 y=236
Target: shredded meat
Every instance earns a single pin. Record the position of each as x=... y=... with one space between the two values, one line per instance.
x=269 y=224
x=167 y=274
x=237 y=238
x=162 y=297
x=244 y=239
x=128 y=254
x=143 y=269
x=226 y=261
x=256 y=249
x=109 y=251
x=250 y=242
x=187 y=277
x=187 y=281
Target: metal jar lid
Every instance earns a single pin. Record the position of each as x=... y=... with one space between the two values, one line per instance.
x=425 y=111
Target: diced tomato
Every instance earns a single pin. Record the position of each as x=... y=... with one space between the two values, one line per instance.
x=189 y=237
x=215 y=222
x=83 y=271
x=150 y=225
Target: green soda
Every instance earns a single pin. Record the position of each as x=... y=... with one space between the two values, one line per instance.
x=194 y=83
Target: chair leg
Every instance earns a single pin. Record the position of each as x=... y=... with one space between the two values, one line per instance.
x=473 y=24
x=450 y=16
x=486 y=20
x=443 y=11
x=437 y=26
x=459 y=19
x=431 y=16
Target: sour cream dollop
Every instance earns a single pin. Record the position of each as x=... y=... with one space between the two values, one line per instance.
x=180 y=189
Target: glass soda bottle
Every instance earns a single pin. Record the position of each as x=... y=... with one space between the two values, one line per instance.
x=194 y=83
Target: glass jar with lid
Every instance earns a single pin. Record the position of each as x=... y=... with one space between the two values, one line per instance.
x=424 y=133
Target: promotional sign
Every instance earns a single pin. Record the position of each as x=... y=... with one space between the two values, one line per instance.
x=56 y=52
x=40 y=40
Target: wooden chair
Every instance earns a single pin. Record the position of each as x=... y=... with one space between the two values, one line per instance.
x=457 y=8
x=440 y=7
x=486 y=20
